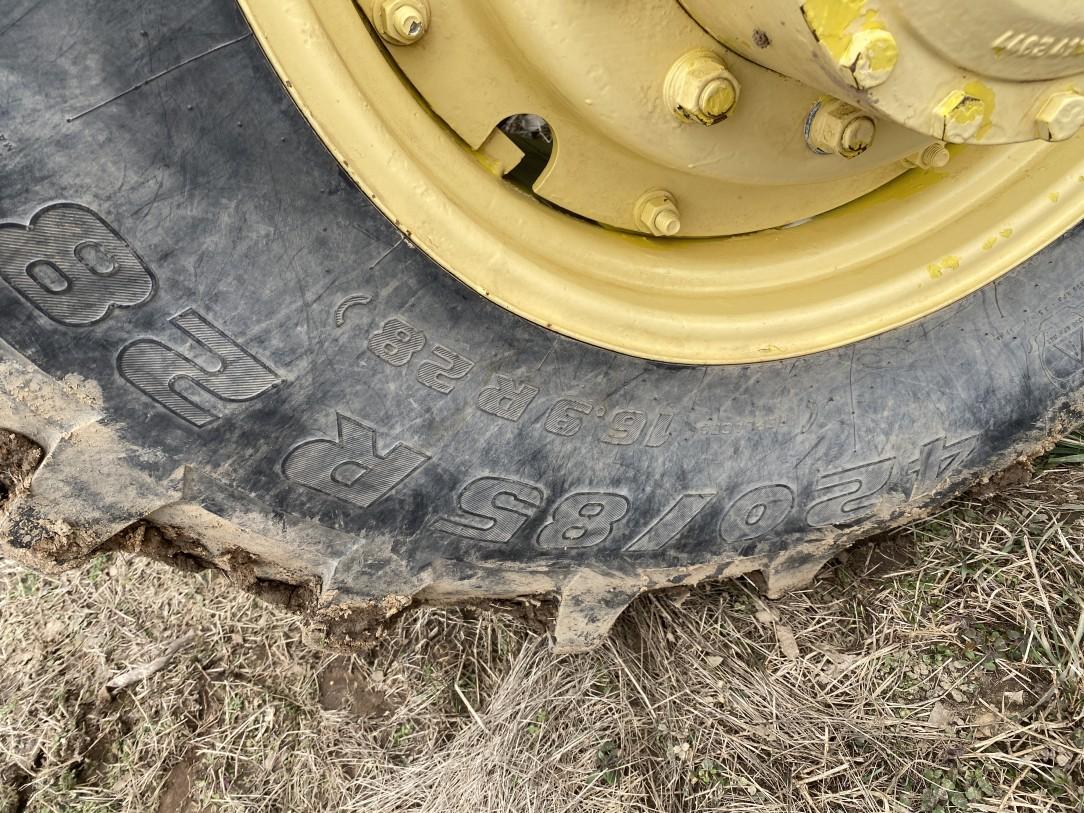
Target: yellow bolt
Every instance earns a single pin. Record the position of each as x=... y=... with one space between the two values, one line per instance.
x=658 y=214
x=717 y=98
x=837 y=127
x=857 y=136
x=870 y=58
x=1061 y=117
x=408 y=23
x=699 y=88
x=402 y=22
x=959 y=117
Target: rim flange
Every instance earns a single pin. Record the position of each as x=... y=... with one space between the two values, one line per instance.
x=617 y=304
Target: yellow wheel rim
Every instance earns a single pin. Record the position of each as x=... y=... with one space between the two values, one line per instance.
x=913 y=246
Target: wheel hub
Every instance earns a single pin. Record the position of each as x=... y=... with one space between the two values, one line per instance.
x=970 y=73
x=639 y=97
x=652 y=128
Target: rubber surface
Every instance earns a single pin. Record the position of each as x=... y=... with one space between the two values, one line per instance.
x=204 y=323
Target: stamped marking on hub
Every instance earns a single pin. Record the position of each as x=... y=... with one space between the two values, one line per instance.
x=1038 y=46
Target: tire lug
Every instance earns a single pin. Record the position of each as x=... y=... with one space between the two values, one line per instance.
x=402 y=22
x=835 y=127
x=699 y=88
x=657 y=212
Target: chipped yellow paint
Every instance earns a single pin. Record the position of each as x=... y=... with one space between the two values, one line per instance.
x=939 y=47
x=1006 y=233
x=835 y=22
x=962 y=115
x=948 y=263
x=884 y=53
x=990 y=243
x=1054 y=197
x=985 y=94
x=966 y=114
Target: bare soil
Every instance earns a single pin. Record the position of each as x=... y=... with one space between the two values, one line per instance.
x=18 y=458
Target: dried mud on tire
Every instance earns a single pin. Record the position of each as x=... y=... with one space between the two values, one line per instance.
x=205 y=326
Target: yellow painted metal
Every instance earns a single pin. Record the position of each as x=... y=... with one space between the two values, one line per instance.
x=903 y=251
x=604 y=76
x=970 y=72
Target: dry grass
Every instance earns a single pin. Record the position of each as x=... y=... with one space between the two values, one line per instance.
x=939 y=669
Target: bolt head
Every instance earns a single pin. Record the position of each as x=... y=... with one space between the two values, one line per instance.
x=1061 y=117
x=870 y=58
x=408 y=23
x=857 y=136
x=959 y=117
x=836 y=127
x=402 y=22
x=699 y=88
x=657 y=213
x=718 y=98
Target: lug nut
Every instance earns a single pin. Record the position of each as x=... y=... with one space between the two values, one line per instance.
x=870 y=58
x=699 y=88
x=658 y=214
x=959 y=117
x=935 y=156
x=1061 y=117
x=835 y=127
x=402 y=22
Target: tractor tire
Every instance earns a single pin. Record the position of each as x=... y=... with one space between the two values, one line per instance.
x=230 y=358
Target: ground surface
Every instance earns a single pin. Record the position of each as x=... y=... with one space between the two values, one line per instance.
x=938 y=669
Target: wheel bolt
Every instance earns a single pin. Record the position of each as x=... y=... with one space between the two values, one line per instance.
x=1061 y=117
x=959 y=117
x=935 y=156
x=699 y=88
x=402 y=22
x=870 y=58
x=717 y=99
x=658 y=214
x=835 y=127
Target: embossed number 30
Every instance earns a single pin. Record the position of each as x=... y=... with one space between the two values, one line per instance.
x=70 y=265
